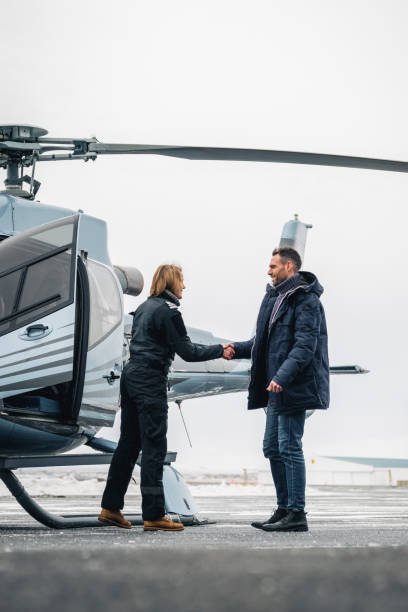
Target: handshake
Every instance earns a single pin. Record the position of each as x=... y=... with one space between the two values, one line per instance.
x=229 y=351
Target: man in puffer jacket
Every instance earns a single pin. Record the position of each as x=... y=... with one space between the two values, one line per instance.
x=289 y=375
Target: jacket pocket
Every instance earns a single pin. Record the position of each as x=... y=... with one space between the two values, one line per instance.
x=301 y=394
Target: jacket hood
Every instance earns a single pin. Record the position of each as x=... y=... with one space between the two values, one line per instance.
x=312 y=284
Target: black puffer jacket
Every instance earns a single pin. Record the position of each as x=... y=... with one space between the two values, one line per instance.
x=293 y=352
x=158 y=332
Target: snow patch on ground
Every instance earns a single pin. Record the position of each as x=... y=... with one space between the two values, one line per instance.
x=80 y=483
x=237 y=490
x=59 y=485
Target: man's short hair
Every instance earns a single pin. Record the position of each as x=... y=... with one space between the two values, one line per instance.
x=286 y=254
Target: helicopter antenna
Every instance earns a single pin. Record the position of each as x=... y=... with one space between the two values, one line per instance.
x=178 y=402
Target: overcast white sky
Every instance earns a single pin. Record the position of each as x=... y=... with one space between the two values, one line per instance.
x=320 y=76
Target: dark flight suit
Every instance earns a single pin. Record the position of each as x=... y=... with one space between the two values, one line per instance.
x=158 y=333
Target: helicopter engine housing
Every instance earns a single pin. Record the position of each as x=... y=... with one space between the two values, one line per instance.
x=131 y=279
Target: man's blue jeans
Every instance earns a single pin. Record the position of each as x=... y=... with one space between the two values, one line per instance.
x=282 y=445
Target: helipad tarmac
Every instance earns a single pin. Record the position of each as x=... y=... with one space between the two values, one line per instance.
x=355 y=557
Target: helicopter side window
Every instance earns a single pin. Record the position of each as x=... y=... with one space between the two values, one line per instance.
x=106 y=302
x=45 y=279
x=8 y=290
x=36 y=274
x=46 y=283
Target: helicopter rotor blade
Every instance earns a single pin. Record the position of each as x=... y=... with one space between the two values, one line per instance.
x=34 y=141
x=251 y=155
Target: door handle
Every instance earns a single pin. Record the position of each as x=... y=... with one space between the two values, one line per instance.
x=37 y=327
x=35 y=331
x=111 y=377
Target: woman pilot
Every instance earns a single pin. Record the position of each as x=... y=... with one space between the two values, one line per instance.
x=158 y=333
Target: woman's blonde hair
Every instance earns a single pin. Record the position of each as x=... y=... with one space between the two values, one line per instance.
x=164 y=278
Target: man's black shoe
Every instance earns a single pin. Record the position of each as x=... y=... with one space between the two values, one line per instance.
x=293 y=521
x=279 y=514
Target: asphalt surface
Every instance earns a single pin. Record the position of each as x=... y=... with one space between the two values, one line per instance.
x=355 y=557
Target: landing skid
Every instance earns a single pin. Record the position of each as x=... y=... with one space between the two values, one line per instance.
x=176 y=492
x=41 y=515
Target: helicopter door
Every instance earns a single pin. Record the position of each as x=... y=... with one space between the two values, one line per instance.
x=105 y=346
x=38 y=294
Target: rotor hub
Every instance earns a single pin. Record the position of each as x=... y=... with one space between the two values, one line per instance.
x=21 y=133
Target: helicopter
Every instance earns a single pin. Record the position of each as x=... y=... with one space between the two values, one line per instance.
x=63 y=332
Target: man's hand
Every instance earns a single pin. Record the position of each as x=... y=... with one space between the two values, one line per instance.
x=229 y=351
x=274 y=387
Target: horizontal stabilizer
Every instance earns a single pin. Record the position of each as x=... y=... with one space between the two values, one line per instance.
x=377 y=462
x=348 y=369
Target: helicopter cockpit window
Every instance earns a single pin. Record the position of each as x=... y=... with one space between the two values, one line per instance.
x=56 y=236
x=25 y=248
x=36 y=274
x=106 y=303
